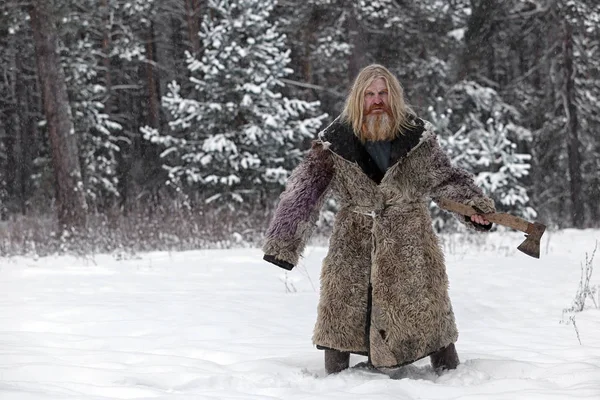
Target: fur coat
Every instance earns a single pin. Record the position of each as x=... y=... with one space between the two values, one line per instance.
x=384 y=288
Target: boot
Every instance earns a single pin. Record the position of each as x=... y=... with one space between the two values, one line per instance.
x=446 y=358
x=336 y=361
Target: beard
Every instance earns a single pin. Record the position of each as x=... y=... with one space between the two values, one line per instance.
x=378 y=126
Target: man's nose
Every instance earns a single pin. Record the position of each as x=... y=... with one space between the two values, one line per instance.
x=378 y=99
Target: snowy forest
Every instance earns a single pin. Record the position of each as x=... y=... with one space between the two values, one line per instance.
x=174 y=124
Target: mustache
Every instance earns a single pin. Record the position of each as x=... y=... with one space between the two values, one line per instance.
x=378 y=107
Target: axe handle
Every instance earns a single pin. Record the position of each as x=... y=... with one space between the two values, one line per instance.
x=498 y=218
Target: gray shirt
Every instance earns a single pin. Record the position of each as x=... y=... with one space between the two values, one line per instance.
x=380 y=153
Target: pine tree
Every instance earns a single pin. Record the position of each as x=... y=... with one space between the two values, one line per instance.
x=71 y=202
x=579 y=94
x=19 y=114
x=236 y=134
x=333 y=39
x=482 y=134
x=89 y=60
x=588 y=98
x=97 y=132
x=113 y=70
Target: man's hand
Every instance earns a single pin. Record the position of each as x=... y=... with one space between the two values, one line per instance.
x=479 y=219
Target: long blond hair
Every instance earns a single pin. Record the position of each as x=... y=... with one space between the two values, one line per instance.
x=354 y=108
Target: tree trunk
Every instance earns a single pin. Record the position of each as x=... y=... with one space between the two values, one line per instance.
x=150 y=154
x=358 y=40
x=70 y=197
x=577 y=204
x=478 y=53
x=192 y=8
x=21 y=142
x=106 y=48
x=29 y=137
x=14 y=148
x=166 y=41
x=595 y=191
x=153 y=98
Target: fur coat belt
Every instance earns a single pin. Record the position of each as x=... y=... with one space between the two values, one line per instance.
x=384 y=288
x=384 y=198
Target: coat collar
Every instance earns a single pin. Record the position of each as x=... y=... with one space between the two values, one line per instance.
x=342 y=141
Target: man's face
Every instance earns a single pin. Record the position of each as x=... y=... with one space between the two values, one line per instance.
x=376 y=98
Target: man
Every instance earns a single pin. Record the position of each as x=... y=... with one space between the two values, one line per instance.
x=384 y=288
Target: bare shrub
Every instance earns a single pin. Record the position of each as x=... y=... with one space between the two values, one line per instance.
x=584 y=292
x=143 y=228
x=289 y=284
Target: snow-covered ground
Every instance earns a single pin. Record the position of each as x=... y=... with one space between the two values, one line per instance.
x=223 y=324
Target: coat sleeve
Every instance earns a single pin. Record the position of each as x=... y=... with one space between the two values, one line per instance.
x=298 y=208
x=454 y=183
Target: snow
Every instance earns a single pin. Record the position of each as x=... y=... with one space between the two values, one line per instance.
x=457 y=34
x=223 y=324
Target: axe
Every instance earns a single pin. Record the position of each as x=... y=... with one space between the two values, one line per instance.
x=533 y=231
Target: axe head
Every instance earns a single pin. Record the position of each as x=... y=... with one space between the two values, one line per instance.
x=531 y=245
